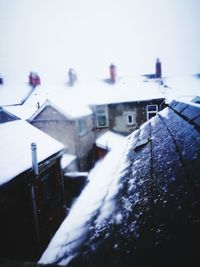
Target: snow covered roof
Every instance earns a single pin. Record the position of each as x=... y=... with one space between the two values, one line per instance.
x=181 y=87
x=62 y=97
x=15 y=146
x=74 y=100
x=75 y=174
x=126 y=89
x=68 y=109
x=142 y=203
x=67 y=159
x=109 y=140
x=25 y=109
x=13 y=94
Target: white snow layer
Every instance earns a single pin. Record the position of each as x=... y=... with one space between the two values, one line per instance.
x=101 y=189
x=182 y=87
x=67 y=159
x=15 y=146
x=11 y=94
x=109 y=140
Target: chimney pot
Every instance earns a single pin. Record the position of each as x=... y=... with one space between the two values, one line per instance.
x=34 y=79
x=158 y=68
x=112 y=73
x=72 y=77
x=34 y=158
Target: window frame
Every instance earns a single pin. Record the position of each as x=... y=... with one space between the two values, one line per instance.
x=102 y=110
x=132 y=119
x=151 y=111
x=82 y=127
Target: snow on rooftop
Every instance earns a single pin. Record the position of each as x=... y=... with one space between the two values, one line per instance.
x=66 y=160
x=76 y=174
x=127 y=89
x=29 y=107
x=74 y=100
x=70 y=108
x=59 y=96
x=12 y=94
x=109 y=140
x=15 y=146
x=180 y=87
x=102 y=186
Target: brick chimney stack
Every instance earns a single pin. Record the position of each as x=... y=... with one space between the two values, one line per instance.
x=113 y=73
x=72 y=77
x=34 y=79
x=158 y=68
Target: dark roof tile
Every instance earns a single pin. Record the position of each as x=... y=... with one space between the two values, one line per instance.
x=197 y=121
x=191 y=112
x=180 y=107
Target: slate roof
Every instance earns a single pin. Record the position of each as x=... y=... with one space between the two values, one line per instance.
x=151 y=217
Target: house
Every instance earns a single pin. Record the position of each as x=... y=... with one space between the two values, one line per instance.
x=126 y=104
x=32 y=203
x=66 y=120
x=141 y=206
x=70 y=125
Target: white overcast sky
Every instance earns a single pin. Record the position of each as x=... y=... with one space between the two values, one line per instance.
x=50 y=36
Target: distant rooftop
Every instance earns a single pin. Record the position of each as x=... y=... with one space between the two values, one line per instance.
x=97 y=92
x=13 y=94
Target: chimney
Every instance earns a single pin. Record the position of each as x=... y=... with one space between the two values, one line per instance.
x=1 y=80
x=34 y=79
x=34 y=158
x=158 y=68
x=112 y=73
x=72 y=77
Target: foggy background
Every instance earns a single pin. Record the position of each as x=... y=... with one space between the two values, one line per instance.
x=50 y=36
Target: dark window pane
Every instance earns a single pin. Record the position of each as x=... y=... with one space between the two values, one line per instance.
x=151 y=115
x=130 y=119
x=152 y=108
x=102 y=121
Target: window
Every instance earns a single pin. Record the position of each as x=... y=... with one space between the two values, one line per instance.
x=82 y=127
x=130 y=120
x=152 y=110
x=102 y=116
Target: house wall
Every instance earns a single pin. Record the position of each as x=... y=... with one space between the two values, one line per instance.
x=67 y=132
x=17 y=235
x=84 y=143
x=50 y=200
x=118 y=115
x=31 y=210
x=57 y=126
